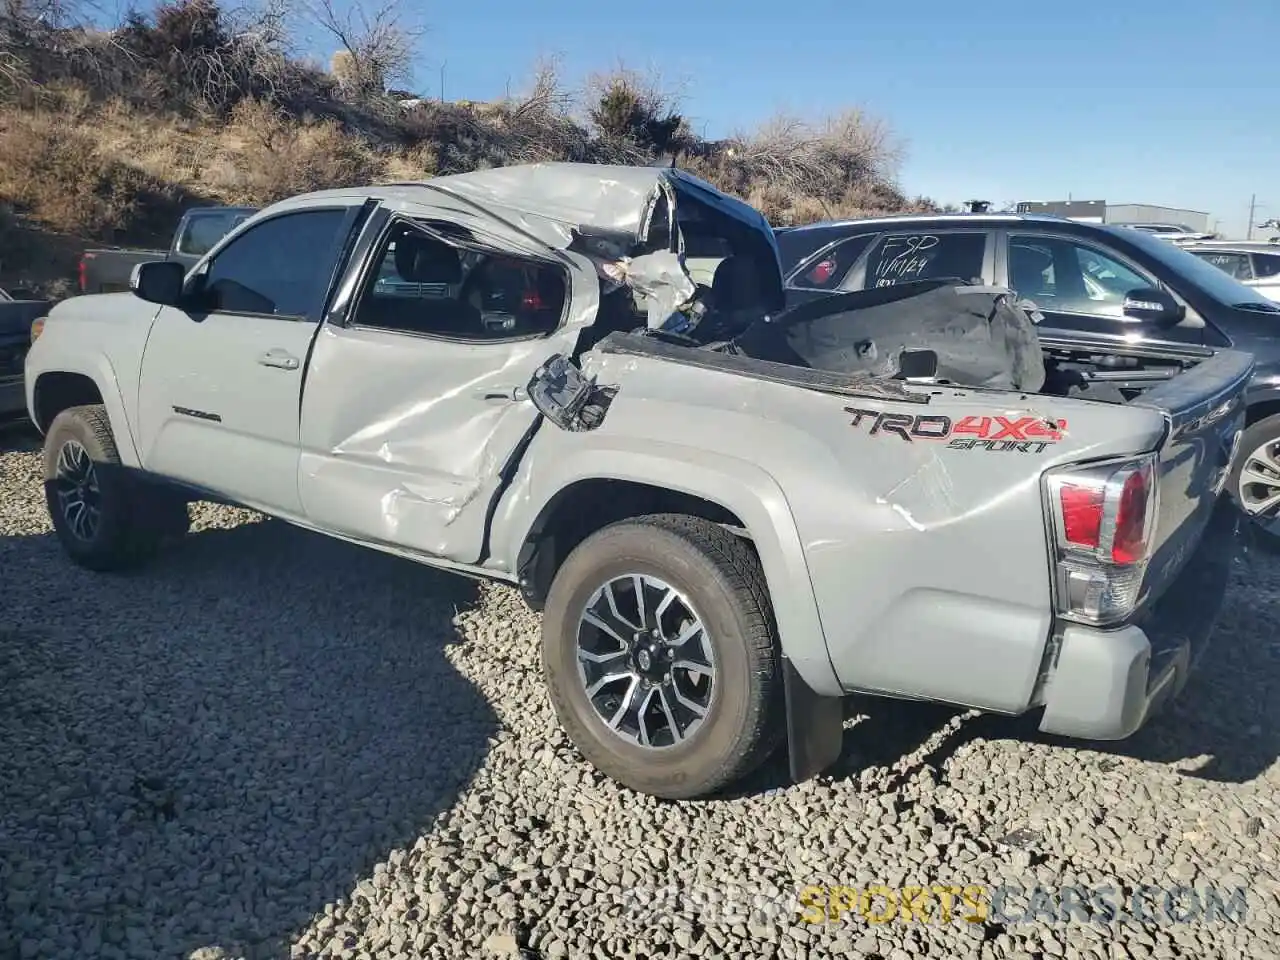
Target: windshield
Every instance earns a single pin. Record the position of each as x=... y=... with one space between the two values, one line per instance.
x=1217 y=284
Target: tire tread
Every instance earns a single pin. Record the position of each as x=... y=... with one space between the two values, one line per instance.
x=734 y=561
x=144 y=525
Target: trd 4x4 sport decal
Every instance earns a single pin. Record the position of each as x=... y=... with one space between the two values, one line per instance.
x=1015 y=434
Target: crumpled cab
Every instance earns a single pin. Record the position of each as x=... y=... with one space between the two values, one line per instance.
x=545 y=375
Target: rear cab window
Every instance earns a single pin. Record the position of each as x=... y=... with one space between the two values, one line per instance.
x=203 y=230
x=905 y=257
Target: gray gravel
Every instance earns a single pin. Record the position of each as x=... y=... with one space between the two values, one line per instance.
x=270 y=744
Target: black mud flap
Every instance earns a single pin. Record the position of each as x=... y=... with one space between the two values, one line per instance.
x=815 y=726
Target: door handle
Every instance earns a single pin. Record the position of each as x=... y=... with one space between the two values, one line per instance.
x=501 y=392
x=280 y=359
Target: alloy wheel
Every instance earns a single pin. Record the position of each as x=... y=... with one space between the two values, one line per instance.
x=646 y=661
x=76 y=485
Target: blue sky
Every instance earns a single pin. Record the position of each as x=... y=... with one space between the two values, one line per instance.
x=1132 y=101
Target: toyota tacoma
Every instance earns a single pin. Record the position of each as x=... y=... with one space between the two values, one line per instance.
x=731 y=515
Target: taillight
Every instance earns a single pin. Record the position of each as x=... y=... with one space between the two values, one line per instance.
x=1103 y=524
x=82 y=274
x=1129 y=544
x=1081 y=515
x=531 y=300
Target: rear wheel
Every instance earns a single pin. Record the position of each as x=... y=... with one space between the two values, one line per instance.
x=1255 y=481
x=660 y=655
x=104 y=518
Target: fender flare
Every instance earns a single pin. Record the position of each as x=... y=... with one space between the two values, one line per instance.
x=99 y=370
x=744 y=488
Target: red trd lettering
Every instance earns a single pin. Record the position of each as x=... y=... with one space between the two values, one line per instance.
x=1012 y=430
x=978 y=426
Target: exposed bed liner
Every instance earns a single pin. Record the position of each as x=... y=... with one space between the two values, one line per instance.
x=982 y=335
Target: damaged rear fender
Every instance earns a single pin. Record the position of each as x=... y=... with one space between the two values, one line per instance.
x=560 y=463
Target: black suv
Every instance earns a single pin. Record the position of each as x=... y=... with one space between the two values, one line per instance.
x=1091 y=282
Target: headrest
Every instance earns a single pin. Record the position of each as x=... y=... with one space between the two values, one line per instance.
x=421 y=259
x=734 y=286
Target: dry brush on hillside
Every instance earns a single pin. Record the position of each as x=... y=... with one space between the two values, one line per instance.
x=105 y=135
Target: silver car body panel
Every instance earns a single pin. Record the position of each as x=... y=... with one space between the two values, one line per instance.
x=903 y=565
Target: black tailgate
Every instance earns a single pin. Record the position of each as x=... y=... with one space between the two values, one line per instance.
x=1205 y=410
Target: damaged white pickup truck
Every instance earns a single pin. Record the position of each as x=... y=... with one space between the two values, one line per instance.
x=575 y=379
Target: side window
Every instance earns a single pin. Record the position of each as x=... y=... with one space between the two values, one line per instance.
x=1072 y=277
x=1266 y=265
x=425 y=286
x=905 y=257
x=828 y=271
x=281 y=267
x=205 y=230
x=1236 y=264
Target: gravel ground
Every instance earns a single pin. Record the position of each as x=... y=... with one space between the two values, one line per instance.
x=270 y=744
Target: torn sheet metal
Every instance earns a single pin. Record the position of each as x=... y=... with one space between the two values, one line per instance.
x=606 y=198
x=621 y=220
x=662 y=283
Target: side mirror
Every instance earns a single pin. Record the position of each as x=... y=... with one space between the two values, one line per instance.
x=158 y=281
x=1153 y=306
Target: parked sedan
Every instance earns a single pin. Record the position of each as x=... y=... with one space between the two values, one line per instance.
x=1111 y=284
x=1255 y=265
x=1177 y=232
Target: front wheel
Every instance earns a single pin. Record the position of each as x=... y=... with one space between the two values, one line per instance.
x=660 y=655
x=105 y=518
x=1255 y=482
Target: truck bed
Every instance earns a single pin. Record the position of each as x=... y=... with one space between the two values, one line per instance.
x=1199 y=393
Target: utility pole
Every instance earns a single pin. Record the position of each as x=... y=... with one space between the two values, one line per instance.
x=1253 y=204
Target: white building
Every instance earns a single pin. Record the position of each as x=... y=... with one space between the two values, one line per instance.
x=1099 y=211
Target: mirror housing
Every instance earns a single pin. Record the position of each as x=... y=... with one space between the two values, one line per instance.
x=1150 y=305
x=158 y=281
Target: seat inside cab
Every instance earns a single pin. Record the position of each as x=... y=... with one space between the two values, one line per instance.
x=425 y=285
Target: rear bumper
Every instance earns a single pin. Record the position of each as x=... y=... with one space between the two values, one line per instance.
x=1107 y=683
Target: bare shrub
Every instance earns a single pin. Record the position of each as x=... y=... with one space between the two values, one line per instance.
x=796 y=167
x=55 y=173
x=53 y=13
x=380 y=42
x=196 y=53
x=343 y=67
x=545 y=95
x=632 y=112
x=108 y=134
x=267 y=156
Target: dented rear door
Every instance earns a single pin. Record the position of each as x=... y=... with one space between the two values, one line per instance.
x=406 y=438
